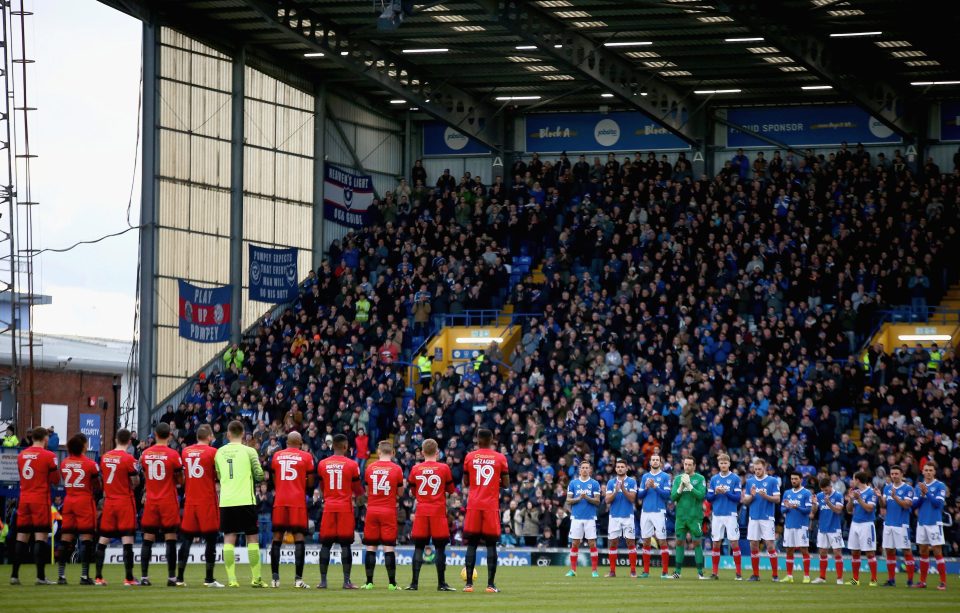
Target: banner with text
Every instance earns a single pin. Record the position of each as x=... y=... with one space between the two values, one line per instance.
x=590 y=132
x=441 y=139
x=808 y=126
x=273 y=274
x=90 y=426
x=950 y=120
x=204 y=312
x=456 y=556
x=346 y=196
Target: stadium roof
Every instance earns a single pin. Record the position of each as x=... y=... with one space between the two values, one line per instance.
x=657 y=56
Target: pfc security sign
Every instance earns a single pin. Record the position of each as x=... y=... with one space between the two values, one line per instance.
x=808 y=126
x=441 y=139
x=594 y=132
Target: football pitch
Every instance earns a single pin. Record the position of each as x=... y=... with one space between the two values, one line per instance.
x=524 y=589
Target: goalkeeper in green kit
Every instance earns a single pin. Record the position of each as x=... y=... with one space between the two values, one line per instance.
x=238 y=469
x=688 y=491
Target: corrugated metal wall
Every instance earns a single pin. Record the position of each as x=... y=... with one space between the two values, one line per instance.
x=277 y=175
x=193 y=201
x=377 y=141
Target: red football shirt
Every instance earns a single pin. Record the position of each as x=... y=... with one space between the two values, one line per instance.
x=160 y=463
x=117 y=468
x=432 y=481
x=78 y=473
x=38 y=471
x=341 y=482
x=290 y=469
x=200 y=476
x=383 y=481
x=484 y=467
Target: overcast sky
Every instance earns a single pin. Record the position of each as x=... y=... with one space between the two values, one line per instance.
x=85 y=84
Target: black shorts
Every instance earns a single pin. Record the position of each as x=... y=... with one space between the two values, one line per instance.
x=239 y=520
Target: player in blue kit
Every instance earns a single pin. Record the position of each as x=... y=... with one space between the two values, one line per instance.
x=724 y=493
x=797 y=508
x=620 y=496
x=862 y=502
x=897 y=499
x=829 y=504
x=583 y=496
x=930 y=496
x=654 y=491
x=762 y=494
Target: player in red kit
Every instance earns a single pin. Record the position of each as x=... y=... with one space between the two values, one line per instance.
x=485 y=472
x=80 y=478
x=37 y=467
x=292 y=470
x=431 y=482
x=340 y=479
x=120 y=474
x=384 y=481
x=163 y=471
x=201 y=508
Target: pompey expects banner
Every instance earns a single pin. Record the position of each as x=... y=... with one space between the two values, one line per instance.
x=204 y=313
x=346 y=196
x=592 y=132
x=441 y=139
x=273 y=274
x=808 y=126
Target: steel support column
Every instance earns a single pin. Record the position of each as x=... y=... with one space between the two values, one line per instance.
x=236 y=195
x=149 y=190
x=319 y=157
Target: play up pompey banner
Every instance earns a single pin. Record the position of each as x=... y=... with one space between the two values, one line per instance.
x=346 y=196
x=204 y=313
x=590 y=132
x=273 y=274
x=808 y=126
x=441 y=139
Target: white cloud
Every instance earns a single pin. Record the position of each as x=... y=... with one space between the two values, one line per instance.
x=84 y=134
x=84 y=311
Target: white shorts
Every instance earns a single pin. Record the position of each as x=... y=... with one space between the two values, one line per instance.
x=653 y=525
x=796 y=537
x=583 y=529
x=830 y=540
x=761 y=530
x=863 y=537
x=621 y=526
x=724 y=525
x=930 y=535
x=896 y=537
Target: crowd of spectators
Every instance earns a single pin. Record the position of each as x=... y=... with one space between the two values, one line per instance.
x=680 y=314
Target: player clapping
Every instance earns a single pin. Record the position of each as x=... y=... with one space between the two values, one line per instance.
x=897 y=498
x=583 y=496
x=797 y=506
x=724 y=493
x=829 y=505
x=862 y=502
x=762 y=496
x=620 y=496
x=654 y=491
x=930 y=496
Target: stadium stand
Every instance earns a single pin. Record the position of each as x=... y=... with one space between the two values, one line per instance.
x=679 y=314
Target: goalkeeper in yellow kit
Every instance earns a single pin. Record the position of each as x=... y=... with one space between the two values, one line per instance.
x=688 y=491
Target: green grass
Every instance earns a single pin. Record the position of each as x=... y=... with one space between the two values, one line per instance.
x=524 y=589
